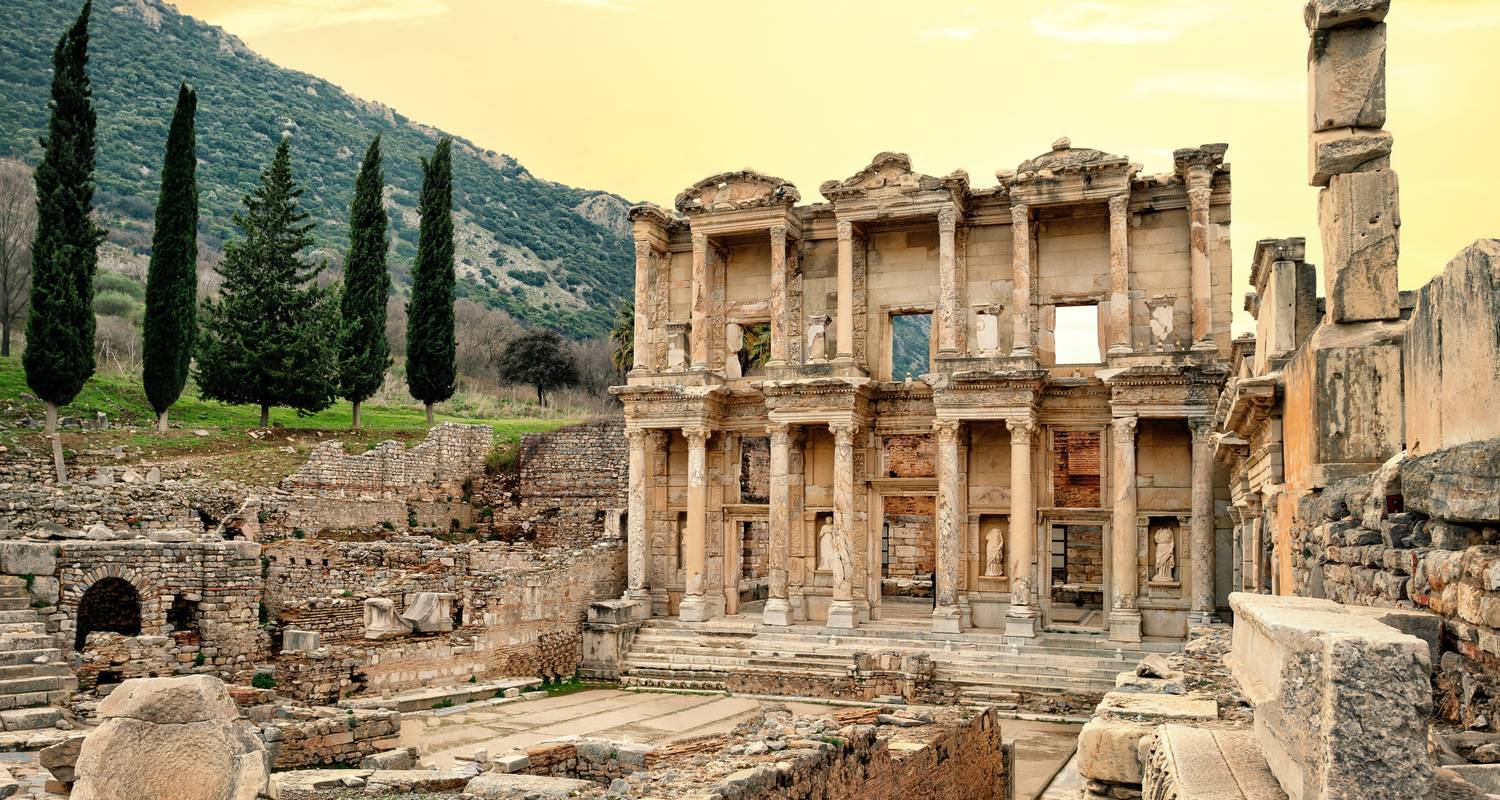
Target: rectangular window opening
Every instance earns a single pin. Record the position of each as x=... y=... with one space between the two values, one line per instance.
x=755 y=349
x=1076 y=335
x=911 y=345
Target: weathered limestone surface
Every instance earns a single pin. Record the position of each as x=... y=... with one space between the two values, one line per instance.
x=1458 y=484
x=1359 y=216
x=1187 y=763
x=1343 y=150
x=1316 y=677
x=1452 y=354
x=1346 y=78
x=1327 y=14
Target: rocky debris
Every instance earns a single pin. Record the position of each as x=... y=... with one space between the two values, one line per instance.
x=1459 y=484
x=501 y=786
x=59 y=759
x=170 y=737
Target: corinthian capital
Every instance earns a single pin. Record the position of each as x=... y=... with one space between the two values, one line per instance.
x=1198 y=197
x=1124 y=429
x=947 y=218
x=1201 y=428
x=781 y=435
x=947 y=430
x=778 y=236
x=1118 y=205
x=1021 y=429
x=636 y=437
x=700 y=242
x=843 y=433
x=696 y=435
x=1020 y=213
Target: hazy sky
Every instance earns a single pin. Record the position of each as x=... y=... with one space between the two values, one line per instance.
x=644 y=97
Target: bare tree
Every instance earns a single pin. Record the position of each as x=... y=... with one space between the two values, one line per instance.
x=17 y=227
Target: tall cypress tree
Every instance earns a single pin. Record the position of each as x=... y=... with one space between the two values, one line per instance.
x=59 y=355
x=172 y=281
x=364 y=353
x=271 y=336
x=430 y=371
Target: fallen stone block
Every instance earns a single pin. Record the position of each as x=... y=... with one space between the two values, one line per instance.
x=496 y=786
x=1109 y=750
x=419 y=780
x=60 y=758
x=312 y=784
x=1188 y=763
x=1316 y=676
x=1158 y=706
x=400 y=758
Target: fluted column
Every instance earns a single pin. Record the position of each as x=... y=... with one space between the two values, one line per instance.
x=778 y=296
x=698 y=347
x=1201 y=538
x=637 y=542
x=1119 y=274
x=948 y=316
x=1020 y=231
x=845 y=315
x=1198 y=246
x=950 y=513
x=1021 y=617
x=841 y=612
x=1124 y=616
x=694 y=607
x=778 y=610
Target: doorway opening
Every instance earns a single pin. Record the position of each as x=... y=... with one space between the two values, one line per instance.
x=1075 y=575
x=111 y=604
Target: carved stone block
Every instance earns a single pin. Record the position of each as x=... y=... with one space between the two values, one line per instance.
x=1359 y=217
x=1322 y=15
x=1346 y=78
x=1344 y=150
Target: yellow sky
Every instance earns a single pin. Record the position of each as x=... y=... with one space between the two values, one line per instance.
x=643 y=97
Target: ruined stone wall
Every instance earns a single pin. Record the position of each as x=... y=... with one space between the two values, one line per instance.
x=911 y=541
x=117 y=498
x=572 y=481
x=304 y=737
x=114 y=657
x=438 y=465
x=1452 y=355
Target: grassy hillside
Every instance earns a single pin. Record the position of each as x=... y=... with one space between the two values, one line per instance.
x=548 y=254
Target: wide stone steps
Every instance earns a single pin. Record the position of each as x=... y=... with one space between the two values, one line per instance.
x=838 y=663
x=653 y=645
x=33 y=675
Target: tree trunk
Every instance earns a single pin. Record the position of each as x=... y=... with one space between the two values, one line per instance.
x=541 y=399
x=161 y=422
x=429 y=412
x=356 y=415
x=265 y=415
x=57 y=450
x=5 y=339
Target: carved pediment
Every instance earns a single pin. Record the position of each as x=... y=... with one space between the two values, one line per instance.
x=889 y=174
x=1065 y=158
x=732 y=191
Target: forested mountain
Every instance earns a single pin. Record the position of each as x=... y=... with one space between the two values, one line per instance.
x=549 y=254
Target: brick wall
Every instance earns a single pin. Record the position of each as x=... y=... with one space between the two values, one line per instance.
x=1075 y=471
x=911 y=543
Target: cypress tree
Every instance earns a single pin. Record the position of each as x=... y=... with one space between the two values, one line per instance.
x=271 y=336
x=430 y=371
x=172 y=281
x=364 y=353
x=59 y=355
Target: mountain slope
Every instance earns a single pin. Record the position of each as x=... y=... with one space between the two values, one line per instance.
x=547 y=253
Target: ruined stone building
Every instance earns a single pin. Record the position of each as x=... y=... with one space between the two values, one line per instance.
x=996 y=398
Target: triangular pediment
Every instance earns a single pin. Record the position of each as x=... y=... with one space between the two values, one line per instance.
x=730 y=191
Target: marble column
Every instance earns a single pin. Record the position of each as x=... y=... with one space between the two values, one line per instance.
x=950 y=516
x=778 y=610
x=694 y=607
x=1255 y=560
x=949 y=316
x=841 y=612
x=637 y=535
x=1021 y=617
x=1201 y=537
x=641 y=358
x=698 y=347
x=1124 y=615
x=1119 y=274
x=845 y=316
x=779 y=334
x=1020 y=231
x=1198 y=246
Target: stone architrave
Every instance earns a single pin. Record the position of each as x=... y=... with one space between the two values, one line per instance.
x=949 y=292
x=381 y=619
x=1359 y=217
x=1124 y=614
x=945 y=614
x=778 y=610
x=779 y=335
x=841 y=612
x=637 y=544
x=1201 y=530
x=845 y=315
x=1020 y=226
x=1119 y=274
x=1021 y=617
x=694 y=607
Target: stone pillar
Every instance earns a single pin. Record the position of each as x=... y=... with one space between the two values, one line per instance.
x=950 y=517
x=1119 y=274
x=698 y=349
x=779 y=333
x=845 y=316
x=1021 y=617
x=1124 y=616
x=1201 y=537
x=637 y=534
x=1256 y=559
x=641 y=358
x=694 y=607
x=1198 y=193
x=841 y=612
x=778 y=610
x=1020 y=231
x=950 y=310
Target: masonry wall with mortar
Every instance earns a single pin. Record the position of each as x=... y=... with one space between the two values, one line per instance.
x=29 y=497
x=570 y=483
x=302 y=737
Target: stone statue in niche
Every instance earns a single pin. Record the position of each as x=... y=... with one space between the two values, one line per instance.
x=1165 y=563
x=825 y=542
x=734 y=342
x=843 y=559
x=817 y=338
x=994 y=551
x=682 y=542
x=1161 y=308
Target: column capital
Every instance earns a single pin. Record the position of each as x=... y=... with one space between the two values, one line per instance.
x=947 y=218
x=636 y=437
x=1198 y=196
x=843 y=432
x=845 y=230
x=947 y=429
x=657 y=437
x=1201 y=428
x=778 y=235
x=697 y=435
x=1118 y=205
x=781 y=434
x=1124 y=429
x=700 y=241
x=1021 y=428
x=1020 y=213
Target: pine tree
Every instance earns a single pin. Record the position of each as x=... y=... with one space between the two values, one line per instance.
x=172 y=280
x=364 y=353
x=271 y=336
x=430 y=369
x=59 y=355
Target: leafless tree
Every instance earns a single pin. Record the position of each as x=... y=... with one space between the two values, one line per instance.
x=17 y=226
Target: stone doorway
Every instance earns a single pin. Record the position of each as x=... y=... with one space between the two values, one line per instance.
x=1073 y=574
x=908 y=545
x=111 y=604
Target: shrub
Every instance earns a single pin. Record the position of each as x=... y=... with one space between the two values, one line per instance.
x=263 y=680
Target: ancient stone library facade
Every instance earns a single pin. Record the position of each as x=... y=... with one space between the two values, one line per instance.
x=997 y=398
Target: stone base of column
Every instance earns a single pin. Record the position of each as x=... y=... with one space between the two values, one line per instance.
x=778 y=612
x=946 y=619
x=1021 y=623
x=1119 y=350
x=1125 y=625
x=1203 y=618
x=1022 y=352
x=1204 y=345
x=843 y=615
x=693 y=609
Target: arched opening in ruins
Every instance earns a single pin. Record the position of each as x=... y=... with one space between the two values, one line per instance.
x=111 y=604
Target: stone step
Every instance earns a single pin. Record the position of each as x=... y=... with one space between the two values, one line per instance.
x=27 y=640
x=30 y=719
x=23 y=627
x=1092 y=648
x=9 y=658
x=838 y=664
x=18 y=615
x=9 y=603
x=802 y=650
x=38 y=683
x=17 y=671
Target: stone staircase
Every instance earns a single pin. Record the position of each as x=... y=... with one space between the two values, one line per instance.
x=982 y=667
x=34 y=674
